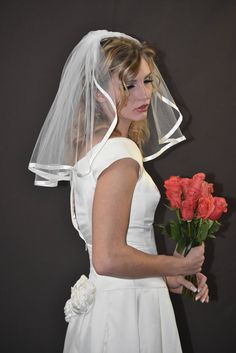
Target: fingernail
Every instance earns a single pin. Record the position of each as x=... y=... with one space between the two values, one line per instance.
x=193 y=289
x=196 y=298
x=203 y=300
x=199 y=289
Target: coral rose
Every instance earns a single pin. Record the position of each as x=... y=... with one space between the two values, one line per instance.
x=187 y=209
x=205 y=206
x=173 y=191
x=220 y=206
x=195 y=187
x=185 y=184
x=206 y=189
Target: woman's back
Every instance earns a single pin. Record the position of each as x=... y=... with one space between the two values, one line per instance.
x=127 y=315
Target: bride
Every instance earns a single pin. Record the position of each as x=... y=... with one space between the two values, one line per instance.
x=112 y=112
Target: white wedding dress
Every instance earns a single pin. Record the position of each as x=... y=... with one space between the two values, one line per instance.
x=127 y=315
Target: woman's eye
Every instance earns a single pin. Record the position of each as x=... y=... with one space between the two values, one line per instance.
x=148 y=80
x=129 y=86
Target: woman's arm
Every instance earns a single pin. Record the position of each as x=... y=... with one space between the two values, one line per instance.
x=111 y=210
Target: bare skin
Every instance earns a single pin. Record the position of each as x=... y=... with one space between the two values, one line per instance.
x=112 y=256
x=176 y=284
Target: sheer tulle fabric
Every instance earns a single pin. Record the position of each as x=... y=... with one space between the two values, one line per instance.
x=84 y=114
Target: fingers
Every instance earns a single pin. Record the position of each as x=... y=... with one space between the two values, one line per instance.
x=203 y=294
x=201 y=279
x=187 y=284
x=203 y=291
x=195 y=259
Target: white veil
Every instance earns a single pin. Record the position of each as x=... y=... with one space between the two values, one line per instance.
x=79 y=119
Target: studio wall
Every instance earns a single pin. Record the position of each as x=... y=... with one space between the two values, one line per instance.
x=41 y=254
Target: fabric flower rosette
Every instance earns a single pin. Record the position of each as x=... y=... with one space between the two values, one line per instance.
x=198 y=213
x=81 y=300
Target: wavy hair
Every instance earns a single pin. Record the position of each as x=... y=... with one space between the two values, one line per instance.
x=123 y=57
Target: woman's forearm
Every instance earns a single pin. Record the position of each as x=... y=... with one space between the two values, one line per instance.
x=129 y=262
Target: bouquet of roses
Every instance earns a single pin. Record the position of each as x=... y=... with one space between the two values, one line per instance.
x=198 y=212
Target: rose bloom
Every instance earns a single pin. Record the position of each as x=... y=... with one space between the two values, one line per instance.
x=199 y=176
x=173 y=191
x=206 y=189
x=185 y=184
x=187 y=209
x=220 y=206
x=205 y=207
x=195 y=187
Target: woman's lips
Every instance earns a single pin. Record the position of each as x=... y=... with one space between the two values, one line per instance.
x=142 y=108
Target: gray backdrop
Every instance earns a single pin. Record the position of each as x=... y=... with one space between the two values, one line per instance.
x=41 y=254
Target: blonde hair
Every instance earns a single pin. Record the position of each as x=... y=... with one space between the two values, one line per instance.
x=123 y=57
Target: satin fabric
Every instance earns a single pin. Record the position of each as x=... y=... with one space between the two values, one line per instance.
x=128 y=315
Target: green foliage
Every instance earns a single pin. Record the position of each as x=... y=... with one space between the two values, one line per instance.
x=188 y=234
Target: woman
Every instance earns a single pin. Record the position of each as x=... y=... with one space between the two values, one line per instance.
x=111 y=112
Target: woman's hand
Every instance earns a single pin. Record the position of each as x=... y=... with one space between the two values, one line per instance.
x=176 y=284
x=194 y=260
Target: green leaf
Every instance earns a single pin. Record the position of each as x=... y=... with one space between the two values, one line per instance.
x=164 y=230
x=180 y=246
x=210 y=223
x=211 y=236
x=193 y=230
x=170 y=208
x=175 y=232
x=160 y=226
x=203 y=231
x=215 y=226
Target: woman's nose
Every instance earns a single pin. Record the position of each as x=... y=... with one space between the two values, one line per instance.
x=144 y=92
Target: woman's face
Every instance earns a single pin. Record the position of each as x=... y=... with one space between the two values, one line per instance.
x=139 y=95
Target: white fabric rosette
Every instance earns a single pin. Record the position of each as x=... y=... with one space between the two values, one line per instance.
x=81 y=300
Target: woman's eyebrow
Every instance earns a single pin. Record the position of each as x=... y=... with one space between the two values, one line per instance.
x=133 y=80
x=148 y=75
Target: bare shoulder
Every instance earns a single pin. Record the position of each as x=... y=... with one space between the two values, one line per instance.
x=125 y=168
